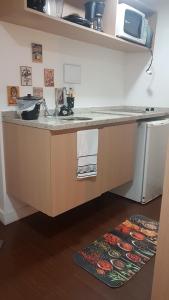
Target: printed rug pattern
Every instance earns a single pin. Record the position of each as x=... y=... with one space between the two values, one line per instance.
x=119 y=254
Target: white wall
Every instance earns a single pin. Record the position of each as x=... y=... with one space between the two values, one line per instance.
x=102 y=69
x=140 y=88
x=102 y=81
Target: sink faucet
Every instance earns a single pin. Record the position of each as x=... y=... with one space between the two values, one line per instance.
x=56 y=111
x=46 y=111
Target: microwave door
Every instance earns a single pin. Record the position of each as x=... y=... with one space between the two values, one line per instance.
x=133 y=24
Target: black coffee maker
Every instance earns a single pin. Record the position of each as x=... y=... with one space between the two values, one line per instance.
x=37 y=4
x=94 y=11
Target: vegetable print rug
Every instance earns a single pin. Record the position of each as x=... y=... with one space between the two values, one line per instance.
x=119 y=254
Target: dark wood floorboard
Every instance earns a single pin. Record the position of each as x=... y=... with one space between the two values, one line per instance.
x=36 y=260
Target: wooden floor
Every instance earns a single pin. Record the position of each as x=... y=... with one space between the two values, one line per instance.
x=36 y=260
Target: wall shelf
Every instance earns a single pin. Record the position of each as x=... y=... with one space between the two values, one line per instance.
x=16 y=12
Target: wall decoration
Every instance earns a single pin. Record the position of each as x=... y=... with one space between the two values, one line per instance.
x=37 y=55
x=59 y=96
x=26 y=76
x=38 y=92
x=49 y=77
x=13 y=93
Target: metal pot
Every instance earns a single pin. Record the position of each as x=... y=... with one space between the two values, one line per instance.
x=29 y=107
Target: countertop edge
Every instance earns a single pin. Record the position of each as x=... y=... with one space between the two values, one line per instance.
x=51 y=125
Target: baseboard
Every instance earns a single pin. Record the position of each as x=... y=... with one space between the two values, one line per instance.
x=15 y=215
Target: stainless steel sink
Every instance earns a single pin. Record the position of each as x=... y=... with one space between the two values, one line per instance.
x=75 y=118
x=68 y=118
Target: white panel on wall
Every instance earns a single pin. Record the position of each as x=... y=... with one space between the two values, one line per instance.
x=72 y=73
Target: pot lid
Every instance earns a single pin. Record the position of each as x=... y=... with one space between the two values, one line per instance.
x=29 y=97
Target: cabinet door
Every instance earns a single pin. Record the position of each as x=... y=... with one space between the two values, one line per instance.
x=118 y=155
x=67 y=191
x=27 y=165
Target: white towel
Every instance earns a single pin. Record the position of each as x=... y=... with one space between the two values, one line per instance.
x=87 y=150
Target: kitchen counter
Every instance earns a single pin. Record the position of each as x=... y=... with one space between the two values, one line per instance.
x=47 y=150
x=101 y=116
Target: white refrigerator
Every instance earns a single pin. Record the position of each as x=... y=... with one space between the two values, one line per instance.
x=147 y=184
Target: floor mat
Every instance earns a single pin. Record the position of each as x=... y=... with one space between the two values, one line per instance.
x=119 y=254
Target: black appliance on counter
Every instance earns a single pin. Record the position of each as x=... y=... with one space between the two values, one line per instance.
x=67 y=110
x=31 y=115
x=29 y=107
x=37 y=4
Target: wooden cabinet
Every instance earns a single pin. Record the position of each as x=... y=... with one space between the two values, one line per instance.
x=41 y=166
x=66 y=191
x=27 y=165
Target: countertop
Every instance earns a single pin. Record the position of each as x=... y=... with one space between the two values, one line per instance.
x=102 y=116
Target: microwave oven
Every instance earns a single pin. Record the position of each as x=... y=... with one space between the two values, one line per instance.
x=131 y=24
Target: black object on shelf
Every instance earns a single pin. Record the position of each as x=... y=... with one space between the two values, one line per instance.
x=37 y=4
x=90 y=10
x=94 y=11
x=98 y=24
x=75 y=18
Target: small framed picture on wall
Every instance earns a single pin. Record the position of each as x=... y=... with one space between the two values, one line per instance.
x=26 y=76
x=59 y=96
x=49 y=77
x=37 y=54
x=12 y=93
